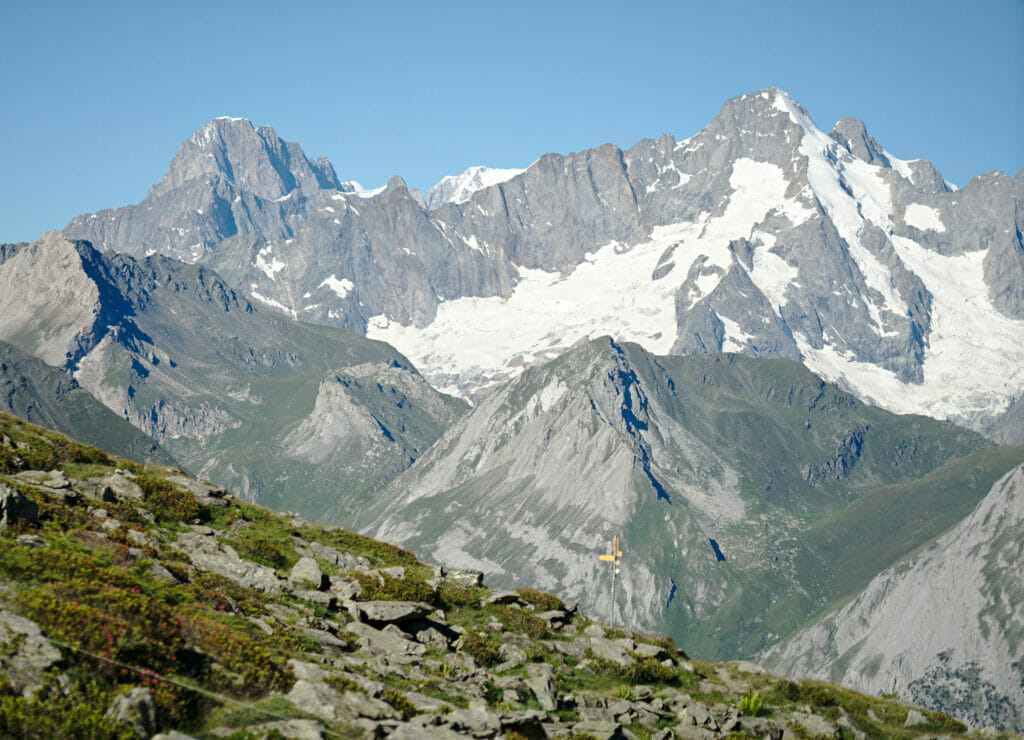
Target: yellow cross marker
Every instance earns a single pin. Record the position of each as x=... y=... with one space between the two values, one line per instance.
x=615 y=558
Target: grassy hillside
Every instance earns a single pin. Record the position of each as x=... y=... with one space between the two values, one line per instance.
x=134 y=600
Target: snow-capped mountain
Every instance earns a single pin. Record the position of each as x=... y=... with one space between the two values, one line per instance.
x=459 y=188
x=760 y=234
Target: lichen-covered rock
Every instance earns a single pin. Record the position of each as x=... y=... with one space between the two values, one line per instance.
x=25 y=653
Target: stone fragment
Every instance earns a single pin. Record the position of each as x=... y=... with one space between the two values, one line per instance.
x=746 y=666
x=31 y=540
x=544 y=689
x=464 y=576
x=292 y=729
x=504 y=597
x=575 y=649
x=812 y=724
x=209 y=554
x=599 y=730
x=646 y=650
x=387 y=643
x=594 y=630
x=915 y=718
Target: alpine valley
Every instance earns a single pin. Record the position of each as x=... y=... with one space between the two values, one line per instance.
x=783 y=365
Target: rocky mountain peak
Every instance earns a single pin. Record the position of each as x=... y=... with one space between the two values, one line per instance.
x=254 y=160
x=852 y=135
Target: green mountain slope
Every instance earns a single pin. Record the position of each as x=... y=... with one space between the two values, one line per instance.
x=302 y=417
x=42 y=394
x=720 y=473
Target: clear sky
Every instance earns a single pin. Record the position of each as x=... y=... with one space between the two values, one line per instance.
x=96 y=97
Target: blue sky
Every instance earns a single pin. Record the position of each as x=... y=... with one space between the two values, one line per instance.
x=96 y=97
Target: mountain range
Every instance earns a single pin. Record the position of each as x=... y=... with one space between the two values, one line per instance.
x=752 y=353
x=760 y=234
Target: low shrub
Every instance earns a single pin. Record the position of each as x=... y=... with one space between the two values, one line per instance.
x=545 y=602
x=223 y=594
x=457 y=594
x=648 y=670
x=523 y=621
x=398 y=700
x=166 y=501
x=343 y=683
x=120 y=624
x=260 y=550
x=51 y=713
x=410 y=587
x=485 y=648
x=379 y=553
x=246 y=655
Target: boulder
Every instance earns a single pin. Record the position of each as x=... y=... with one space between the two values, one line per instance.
x=380 y=641
x=115 y=486
x=646 y=650
x=16 y=506
x=207 y=553
x=393 y=611
x=544 y=689
x=504 y=597
x=812 y=726
x=464 y=576
x=306 y=571
x=608 y=650
x=25 y=654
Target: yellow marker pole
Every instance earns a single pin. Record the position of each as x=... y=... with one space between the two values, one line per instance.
x=616 y=559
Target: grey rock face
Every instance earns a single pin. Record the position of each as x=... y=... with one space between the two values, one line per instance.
x=136 y=709
x=206 y=552
x=941 y=628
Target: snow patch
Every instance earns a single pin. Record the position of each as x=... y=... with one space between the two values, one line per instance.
x=460 y=188
x=341 y=287
x=269 y=264
x=923 y=217
x=271 y=302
